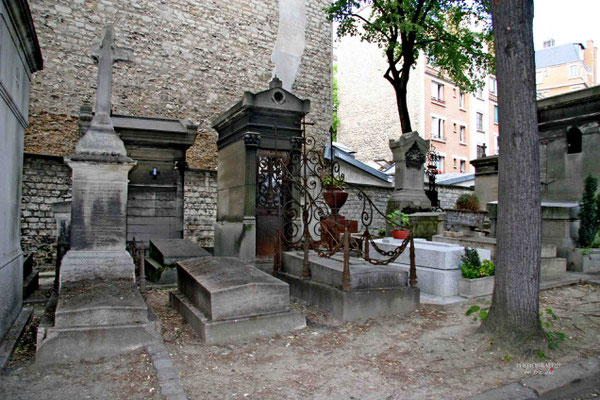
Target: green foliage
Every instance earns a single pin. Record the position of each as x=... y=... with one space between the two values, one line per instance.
x=483 y=312
x=588 y=212
x=547 y=321
x=467 y=201
x=397 y=219
x=336 y=104
x=381 y=232
x=455 y=35
x=329 y=181
x=472 y=267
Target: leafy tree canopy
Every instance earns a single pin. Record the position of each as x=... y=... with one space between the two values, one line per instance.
x=455 y=35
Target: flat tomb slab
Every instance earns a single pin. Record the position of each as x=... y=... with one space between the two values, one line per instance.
x=225 y=288
x=224 y=331
x=169 y=251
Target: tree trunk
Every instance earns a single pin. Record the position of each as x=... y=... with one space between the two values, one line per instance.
x=401 y=89
x=515 y=303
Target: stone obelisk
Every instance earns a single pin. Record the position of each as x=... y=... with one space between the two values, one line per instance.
x=100 y=311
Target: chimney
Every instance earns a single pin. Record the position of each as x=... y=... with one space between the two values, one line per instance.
x=549 y=43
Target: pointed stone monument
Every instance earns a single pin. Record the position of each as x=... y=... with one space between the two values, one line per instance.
x=410 y=154
x=100 y=311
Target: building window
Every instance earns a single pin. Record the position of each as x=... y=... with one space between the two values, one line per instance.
x=573 y=71
x=437 y=91
x=574 y=141
x=479 y=121
x=463 y=165
x=461 y=100
x=479 y=93
x=493 y=86
x=496 y=114
x=462 y=131
x=437 y=128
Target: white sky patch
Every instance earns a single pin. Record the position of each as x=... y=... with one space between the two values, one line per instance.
x=291 y=41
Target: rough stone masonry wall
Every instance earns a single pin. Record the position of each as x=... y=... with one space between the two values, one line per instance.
x=200 y=206
x=448 y=194
x=354 y=206
x=192 y=59
x=46 y=180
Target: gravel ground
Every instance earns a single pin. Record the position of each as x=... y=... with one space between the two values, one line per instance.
x=432 y=353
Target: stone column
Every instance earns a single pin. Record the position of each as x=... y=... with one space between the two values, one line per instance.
x=409 y=155
x=486 y=180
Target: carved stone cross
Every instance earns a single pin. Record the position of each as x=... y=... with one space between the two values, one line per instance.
x=100 y=138
x=106 y=53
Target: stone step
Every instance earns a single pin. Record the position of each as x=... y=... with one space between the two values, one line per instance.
x=553 y=268
x=329 y=271
x=548 y=250
x=100 y=303
x=62 y=345
x=226 y=288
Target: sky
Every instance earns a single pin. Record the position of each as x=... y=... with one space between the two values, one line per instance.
x=566 y=21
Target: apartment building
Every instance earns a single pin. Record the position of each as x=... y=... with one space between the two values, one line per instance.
x=565 y=68
x=461 y=126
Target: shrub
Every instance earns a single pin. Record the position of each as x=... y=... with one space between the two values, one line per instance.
x=472 y=267
x=398 y=220
x=467 y=201
x=588 y=209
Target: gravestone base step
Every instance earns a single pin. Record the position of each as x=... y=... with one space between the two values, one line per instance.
x=354 y=304
x=228 y=330
x=63 y=345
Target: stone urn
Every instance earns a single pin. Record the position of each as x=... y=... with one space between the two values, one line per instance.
x=335 y=198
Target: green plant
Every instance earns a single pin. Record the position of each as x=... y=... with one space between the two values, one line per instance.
x=588 y=212
x=472 y=267
x=483 y=312
x=547 y=320
x=467 y=201
x=398 y=220
x=381 y=232
x=329 y=181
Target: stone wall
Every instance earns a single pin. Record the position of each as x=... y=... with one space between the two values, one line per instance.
x=192 y=59
x=447 y=194
x=200 y=206
x=354 y=206
x=46 y=180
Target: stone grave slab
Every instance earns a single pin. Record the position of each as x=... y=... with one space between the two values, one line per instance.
x=226 y=299
x=169 y=251
x=164 y=255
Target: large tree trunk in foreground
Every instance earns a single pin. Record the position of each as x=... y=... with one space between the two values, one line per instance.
x=514 y=314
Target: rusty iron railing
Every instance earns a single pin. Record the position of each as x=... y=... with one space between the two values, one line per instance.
x=306 y=215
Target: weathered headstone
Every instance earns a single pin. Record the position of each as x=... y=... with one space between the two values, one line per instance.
x=410 y=154
x=100 y=312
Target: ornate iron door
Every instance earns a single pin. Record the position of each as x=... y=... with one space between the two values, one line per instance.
x=269 y=200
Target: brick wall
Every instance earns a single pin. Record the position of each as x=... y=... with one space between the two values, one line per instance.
x=200 y=206
x=46 y=180
x=192 y=59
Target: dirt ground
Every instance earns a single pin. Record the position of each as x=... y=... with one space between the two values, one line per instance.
x=129 y=376
x=431 y=353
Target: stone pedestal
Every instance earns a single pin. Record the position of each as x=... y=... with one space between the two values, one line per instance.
x=409 y=155
x=486 y=179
